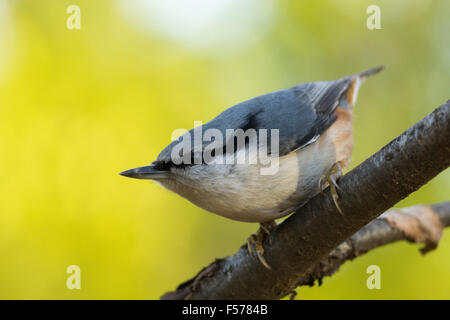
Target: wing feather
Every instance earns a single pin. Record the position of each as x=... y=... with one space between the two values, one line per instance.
x=301 y=114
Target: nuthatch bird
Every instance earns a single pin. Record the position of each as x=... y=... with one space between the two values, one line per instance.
x=312 y=144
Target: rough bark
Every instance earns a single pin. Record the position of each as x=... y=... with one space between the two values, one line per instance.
x=377 y=233
x=308 y=236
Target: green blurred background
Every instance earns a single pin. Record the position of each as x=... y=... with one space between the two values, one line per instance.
x=79 y=106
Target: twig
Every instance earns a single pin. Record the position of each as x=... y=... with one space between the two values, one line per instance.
x=377 y=233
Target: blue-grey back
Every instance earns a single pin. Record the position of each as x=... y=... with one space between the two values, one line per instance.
x=301 y=113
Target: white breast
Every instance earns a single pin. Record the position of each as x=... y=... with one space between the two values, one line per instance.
x=240 y=192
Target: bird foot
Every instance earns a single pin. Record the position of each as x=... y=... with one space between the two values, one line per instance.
x=255 y=242
x=330 y=179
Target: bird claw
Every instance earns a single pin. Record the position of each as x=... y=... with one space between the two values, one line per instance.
x=254 y=242
x=250 y=243
x=330 y=179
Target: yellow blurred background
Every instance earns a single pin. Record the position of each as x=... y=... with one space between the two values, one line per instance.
x=79 y=106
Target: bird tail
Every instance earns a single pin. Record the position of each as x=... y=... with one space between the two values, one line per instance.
x=365 y=74
x=351 y=94
x=147 y=172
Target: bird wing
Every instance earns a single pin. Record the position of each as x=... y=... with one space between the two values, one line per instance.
x=301 y=114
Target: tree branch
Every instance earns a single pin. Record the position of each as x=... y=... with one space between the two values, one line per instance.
x=308 y=236
x=377 y=233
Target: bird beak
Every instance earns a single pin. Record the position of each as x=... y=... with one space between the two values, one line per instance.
x=147 y=172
